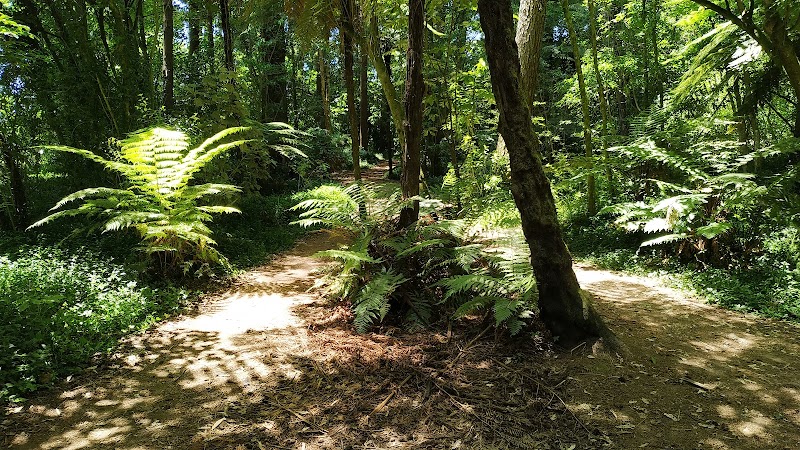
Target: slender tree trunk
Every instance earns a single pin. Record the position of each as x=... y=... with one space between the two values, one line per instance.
x=349 y=81
x=587 y=120
x=210 y=37
x=169 y=58
x=785 y=54
x=364 y=100
x=227 y=34
x=194 y=27
x=325 y=91
x=390 y=149
x=415 y=94
x=601 y=92
x=19 y=199
x=565 y=309
x=529 y=38
x=385 y=78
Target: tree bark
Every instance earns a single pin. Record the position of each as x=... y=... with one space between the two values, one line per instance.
x=564 y=308
x=601 y=92
x=324 y=91
x=530 y=30
x=591 y=194
x=415 y=94
x=169 y=58
x=364 y=99
x=194 y=27
x=19 y=199
x=349 y=81
x=529 y=37
x=227 y=34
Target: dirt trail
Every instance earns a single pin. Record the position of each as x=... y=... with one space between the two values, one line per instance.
x=268 y=365
x=174 y=386
x=699 y=376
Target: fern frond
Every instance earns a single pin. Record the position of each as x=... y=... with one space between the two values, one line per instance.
x=372 y=304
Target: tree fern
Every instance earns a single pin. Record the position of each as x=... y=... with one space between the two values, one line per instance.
x=158 y=201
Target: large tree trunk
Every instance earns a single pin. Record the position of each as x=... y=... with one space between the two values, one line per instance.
x=227 y=34
x=415 y=94
x=591 y=188
x=349 y=81
x=529 y=37
x=169 y=58
x=564 y=308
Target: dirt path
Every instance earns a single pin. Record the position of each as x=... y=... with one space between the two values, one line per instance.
x=699 y=377
x=268 y=365
x=173 y=387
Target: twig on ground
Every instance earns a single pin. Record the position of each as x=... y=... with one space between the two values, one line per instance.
x=390 y=396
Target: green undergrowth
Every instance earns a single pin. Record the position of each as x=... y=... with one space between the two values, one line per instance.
x=60 y=308
x=260 y=231
x=66 y=301
x=768 y=284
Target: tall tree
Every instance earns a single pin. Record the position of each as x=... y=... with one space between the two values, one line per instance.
x=194 y=27
x=415 y=94
x=323 y=88
x=168 y=67
x=565 y=309
x=530 y=28
x=601 y=90
x=227 y=34
x=591 y=194
x=349 y=81
x=363 y=103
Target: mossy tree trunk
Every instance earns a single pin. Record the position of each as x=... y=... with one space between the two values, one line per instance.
x=565 y=309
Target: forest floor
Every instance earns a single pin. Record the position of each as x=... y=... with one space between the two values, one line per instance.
x=268 y=364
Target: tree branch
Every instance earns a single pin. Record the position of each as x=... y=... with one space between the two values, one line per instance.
x=748 y=28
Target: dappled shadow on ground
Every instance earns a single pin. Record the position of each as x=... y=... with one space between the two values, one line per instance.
x=269 y=366
x=699 y=376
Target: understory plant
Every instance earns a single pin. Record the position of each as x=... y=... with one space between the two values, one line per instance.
x=61 y=308
x=419 y=274
x=158 y=201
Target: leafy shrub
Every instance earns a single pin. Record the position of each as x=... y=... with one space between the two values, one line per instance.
x=327 y=152
x=60 y=309
x=166 y=211
x=418 y=273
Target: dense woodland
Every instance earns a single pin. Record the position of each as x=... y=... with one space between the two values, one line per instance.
x=153 y=150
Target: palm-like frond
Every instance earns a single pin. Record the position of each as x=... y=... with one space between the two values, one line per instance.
x=159 y=201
